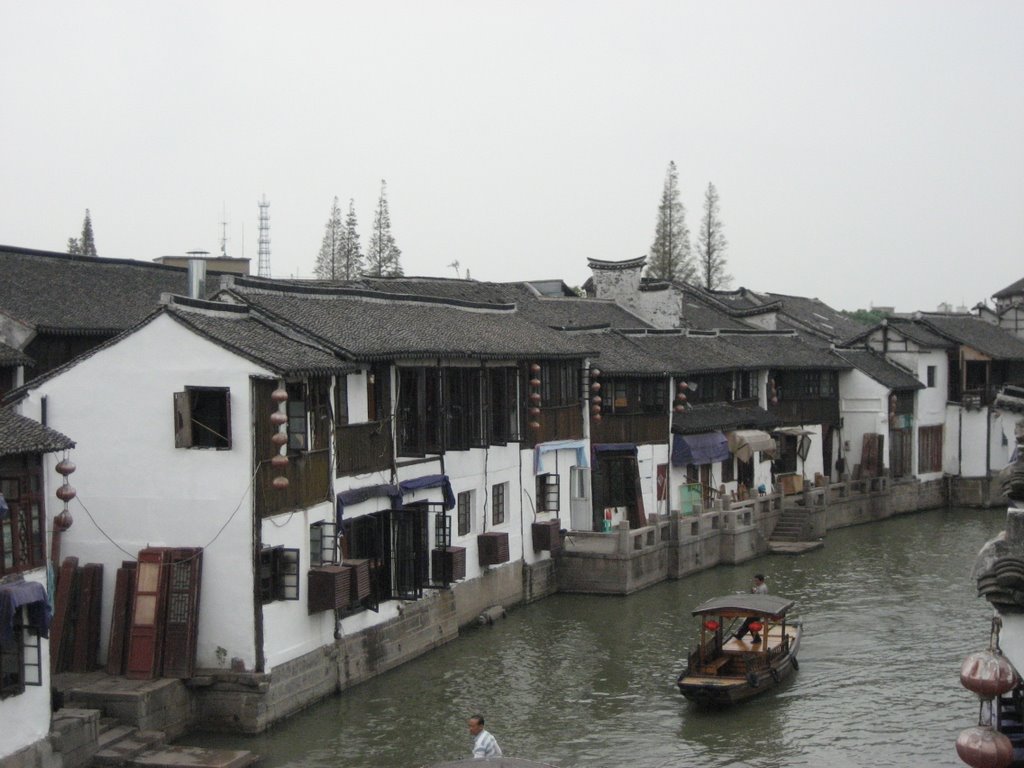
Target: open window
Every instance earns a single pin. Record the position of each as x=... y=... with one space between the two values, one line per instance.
x=548 y=492
x=279 y=574
x=20 y=656
x=202 y=418
x=323 y=544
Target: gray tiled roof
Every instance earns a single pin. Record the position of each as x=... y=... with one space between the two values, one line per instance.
x=19 y=434
x=721 y=417
x=1013 y=289
x=9 y=356
x=238 y=331
x=804 y=313
x=620 y=355
x=885 y=372
x=59 y=293
x=916 y=332
x=375 y=326
x=974 y=332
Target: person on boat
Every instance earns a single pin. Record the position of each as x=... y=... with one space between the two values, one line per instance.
x=484 y=744
x=759 y=587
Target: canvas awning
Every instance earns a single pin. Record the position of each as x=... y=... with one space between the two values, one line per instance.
x=803 y=442
x=744 y=442
x=705 y=448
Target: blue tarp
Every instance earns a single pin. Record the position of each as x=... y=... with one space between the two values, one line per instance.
x=580 y=446
x=17 y=594
x=705 y=448
x=356 y=495
x=431 y=481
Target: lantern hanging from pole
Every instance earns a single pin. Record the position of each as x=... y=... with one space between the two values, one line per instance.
x=65 y=467
x=595 y=372
x=680 y=408
x=66 y=493
x=281 y=483
x=534 y=425
x=277 y=418
x=984 y=747
x=279 y=439
x=595 y=387
x=535 y=397
x=534 y=411
x=63 y=521
x=535 y=383
x=711 y=625
x=279 y=395
x=280 y=461
x=595 y=409
x=534 y=368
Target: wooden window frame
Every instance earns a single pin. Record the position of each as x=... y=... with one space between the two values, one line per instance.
x=930 y=376
x=23 y=530
x=548 y=492
x=206 y=437
x=21 y=658
x=323 y=544
x=465 y=512
x=278 y=574
x=929 y=448
x=499 y=498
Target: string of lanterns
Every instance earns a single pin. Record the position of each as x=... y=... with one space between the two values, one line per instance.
x=595 y=397
x=65 y=493
x=534 y=396
x=681 y=397
x=279 y=418
x=989 y=675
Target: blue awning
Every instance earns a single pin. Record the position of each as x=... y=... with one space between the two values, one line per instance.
x=705 y=448
x=580 y=446
x=431 y=481
x=17 y=594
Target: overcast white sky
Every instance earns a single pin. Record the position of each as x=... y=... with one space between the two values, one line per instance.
x=865 y=152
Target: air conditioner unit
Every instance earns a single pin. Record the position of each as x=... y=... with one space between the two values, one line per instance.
x=547 y=535
x=448 y=564
x=492 y=548
x=329 y=588
x=360 y=579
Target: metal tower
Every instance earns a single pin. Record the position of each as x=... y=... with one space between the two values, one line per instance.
x=264 y=241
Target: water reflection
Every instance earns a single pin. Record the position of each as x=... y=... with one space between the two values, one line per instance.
x=889 y=610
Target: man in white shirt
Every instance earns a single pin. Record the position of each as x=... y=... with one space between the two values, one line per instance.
x=484 y=744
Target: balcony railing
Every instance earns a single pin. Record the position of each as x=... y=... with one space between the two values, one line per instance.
x=563 y=422
x=631 y=428
x=308 y=483
x=363 y=448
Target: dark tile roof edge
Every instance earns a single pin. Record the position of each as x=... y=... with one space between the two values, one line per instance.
x=1011 y=290
x=616 y=265
x=40 y=438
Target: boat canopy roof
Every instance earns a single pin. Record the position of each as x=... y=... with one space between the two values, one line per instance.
x=745 y=604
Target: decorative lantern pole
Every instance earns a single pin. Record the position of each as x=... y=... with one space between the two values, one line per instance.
x=63 y=520
x=989 y=675
x=534 y=397
x=595 y=396
x=279 y=419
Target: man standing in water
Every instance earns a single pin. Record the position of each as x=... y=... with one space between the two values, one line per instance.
x=484 y=744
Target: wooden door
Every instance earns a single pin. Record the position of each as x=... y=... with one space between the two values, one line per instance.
x=182 y=617
x=145 y=641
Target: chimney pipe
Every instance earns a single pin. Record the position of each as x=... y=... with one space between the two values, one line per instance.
x=197 y=274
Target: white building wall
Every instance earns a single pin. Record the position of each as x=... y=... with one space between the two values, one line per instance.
x=951 y=443
x=864 y=409
x=137 y=488
x=25 y=718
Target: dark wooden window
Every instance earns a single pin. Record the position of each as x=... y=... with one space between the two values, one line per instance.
x=298 y=433
x=202 y=418
x=378 y=393
x=503 y=410
x=626 y=396
x=465 y=512
x=746 y=385
x=930 y=375
x=929 y=449
x=787 y=454
x=729 y=469
x=396 y=545
x=341 y=400
x=23 y=528
x=323 y=544
x=20 y=657
x=559 y=383
x=547 y=492
x=308 y=415
x=745 y=473
x=463 y=405
x=498 y=493
x=419 y=411
x=279 y=574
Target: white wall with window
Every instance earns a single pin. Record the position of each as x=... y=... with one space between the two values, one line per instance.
x=24 y=684
x=141 y=490
x=864 y=409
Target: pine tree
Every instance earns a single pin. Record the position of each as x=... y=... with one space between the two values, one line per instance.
x=351 y=253
x=670 y=257
x=711 y=243
x=328 y=261
x=383 y=255
x=86 y=244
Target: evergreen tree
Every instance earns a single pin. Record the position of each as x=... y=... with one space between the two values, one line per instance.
x=670 y=257
x=711 y=243
x=351 y=253
x=86 y=244
x=328 y=261
x=383 y=255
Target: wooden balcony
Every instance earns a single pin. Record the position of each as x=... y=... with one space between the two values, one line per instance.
x=556 y=423
x=363 y=448
x=308 y=483
x=636 y=428
x=807 y=411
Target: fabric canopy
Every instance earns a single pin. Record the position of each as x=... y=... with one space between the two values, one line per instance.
x=431 y=481
x=580 y=446
x=744 y=442
x=17 y=594
x=705 y=448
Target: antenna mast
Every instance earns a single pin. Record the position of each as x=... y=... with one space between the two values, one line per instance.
x=264 y=241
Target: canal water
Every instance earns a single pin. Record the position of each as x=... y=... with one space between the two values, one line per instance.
x=889 y=613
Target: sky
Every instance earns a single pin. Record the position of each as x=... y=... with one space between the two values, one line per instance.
x=866 y=153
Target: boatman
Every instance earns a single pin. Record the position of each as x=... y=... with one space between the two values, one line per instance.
x=757 y=588
x=484 y=744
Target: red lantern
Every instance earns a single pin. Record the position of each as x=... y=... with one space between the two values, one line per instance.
x=535 y=425
x=277 y=418
x=595 y=409
x=279 y=461
x=775 y=401
x=596 y=399
x=534 y=367
x=595 y=387
x=683 y=385
x=597 y=417
x=681 y=397
x=65 y=467
x=595 y=372
x=535 y=383
x=66 y=493
x=535 y=397
x=279 y=438
x=711 y=625
x=680 y=408
x=62 y=521
x=983 y=747
x=280 y=483
x=534 y=411
x=988 y=674
x=756 y=626
x=279 y=395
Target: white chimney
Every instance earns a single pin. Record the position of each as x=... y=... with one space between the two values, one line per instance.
x=197 y=274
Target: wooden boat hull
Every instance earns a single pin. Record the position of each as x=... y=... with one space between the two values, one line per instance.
x=713 y=690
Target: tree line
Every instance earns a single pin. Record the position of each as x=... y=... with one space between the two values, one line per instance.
x=342 y=258
x=671 y=257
